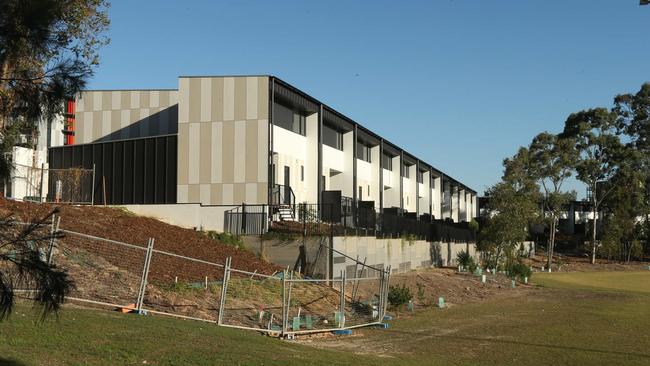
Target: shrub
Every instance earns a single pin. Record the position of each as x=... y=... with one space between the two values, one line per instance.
x=467 y=261
x=519 y=270
x=398 y=296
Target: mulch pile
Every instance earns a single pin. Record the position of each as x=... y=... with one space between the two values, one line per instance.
x=121 y=225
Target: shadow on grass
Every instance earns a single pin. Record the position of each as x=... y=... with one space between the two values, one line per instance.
x=531 y=344
x=8 y=362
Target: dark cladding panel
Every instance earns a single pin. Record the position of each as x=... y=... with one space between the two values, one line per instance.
x=136 y=171
x=128 y=171
x=170 y=180
x=118 y=173
x=150 y=171
x=161 y=167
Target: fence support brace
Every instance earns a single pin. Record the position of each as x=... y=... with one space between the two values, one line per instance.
x=145 y=275
x=224 y=289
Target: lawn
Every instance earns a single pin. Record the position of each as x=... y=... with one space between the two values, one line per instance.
x=600 y=318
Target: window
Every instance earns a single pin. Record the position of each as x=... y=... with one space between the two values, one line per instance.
x=332 y=138
x=363 y=152
x=288 y=119
x=360 y=193
x=302 y=173
x=387 y=162
x=405 y=171
x=433 y=183
x=420 y=176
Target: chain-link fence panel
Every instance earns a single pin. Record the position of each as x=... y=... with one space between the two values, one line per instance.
x=102 y=270
x=183 y=286
x=253 y=301
x=313 y=305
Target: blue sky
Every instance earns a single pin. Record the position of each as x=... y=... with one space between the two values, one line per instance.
x=460 y=84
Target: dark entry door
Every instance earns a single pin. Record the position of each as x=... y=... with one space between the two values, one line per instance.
x=287 y=187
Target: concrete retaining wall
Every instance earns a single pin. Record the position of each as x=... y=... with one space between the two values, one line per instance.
x=188 y=215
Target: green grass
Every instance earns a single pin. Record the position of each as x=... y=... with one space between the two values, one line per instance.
x=567 y=319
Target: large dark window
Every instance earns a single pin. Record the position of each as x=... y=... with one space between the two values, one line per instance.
x=387 y=162
x=288 y=119
x=332 y=138
x=405 y=171
x=363 y=152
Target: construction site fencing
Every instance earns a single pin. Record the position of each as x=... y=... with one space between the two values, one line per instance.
x=137 y=277
x=41 y=184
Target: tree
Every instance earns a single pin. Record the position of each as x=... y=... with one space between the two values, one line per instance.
x=599 y=148
x=47 y=51
x=623 y=231
x=511 y=209
x=551 y=162
x=23 y=265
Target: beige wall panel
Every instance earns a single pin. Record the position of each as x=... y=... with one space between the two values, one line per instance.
x=251 y=193
x=227 y=194
x=125 y=97
x=107 y=100
x=97 y=101
x=252 y=85
x=195 y=99
x=135 y=99
x=262 y=193
x=204 y=193
x=163 y=98
x=240 y=98
x=240 y=152
x=106 y=124
x=184 y=100
x=252 y=156
x=79 y=100
x=206 y=99
x=181 y=193
x=97 y=125
x=125 y=120
x=144 y=99
x=183 y=153
x=217 y=99
x=228 y=99
x=262 y=150
x=116 y=100
x=216 y=194
x=80 y=127
x=216 y=154
x=193 y=193
x=239 y=193
x=154 y=99
x=263 y=98
x=205 y=154
x=116 y=124
x=228 y=150
x=195 y=140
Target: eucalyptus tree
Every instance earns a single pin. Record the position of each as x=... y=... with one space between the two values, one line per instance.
x=551 y=164
x=511 y=208
x=599 y=154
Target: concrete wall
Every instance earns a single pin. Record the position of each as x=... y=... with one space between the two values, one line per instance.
x=106 y=115
x=223 y=140
x=401 y=255
x=190 y=215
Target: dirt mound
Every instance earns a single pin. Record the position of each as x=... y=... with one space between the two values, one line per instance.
x=121 y=225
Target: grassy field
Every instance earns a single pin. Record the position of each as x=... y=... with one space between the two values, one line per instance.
x=600 y=318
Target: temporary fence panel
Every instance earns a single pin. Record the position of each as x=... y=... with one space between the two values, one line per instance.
x=182 y=286
x=253 y=301
x=313 y=305
x=104 y=271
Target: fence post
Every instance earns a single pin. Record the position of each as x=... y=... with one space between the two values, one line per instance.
x=342 y=317
x=40 y=188
x=92 y=188
x=224 y=289
x=145 y=275
x=243 y=218
x=284 y=302
x=54 y=230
